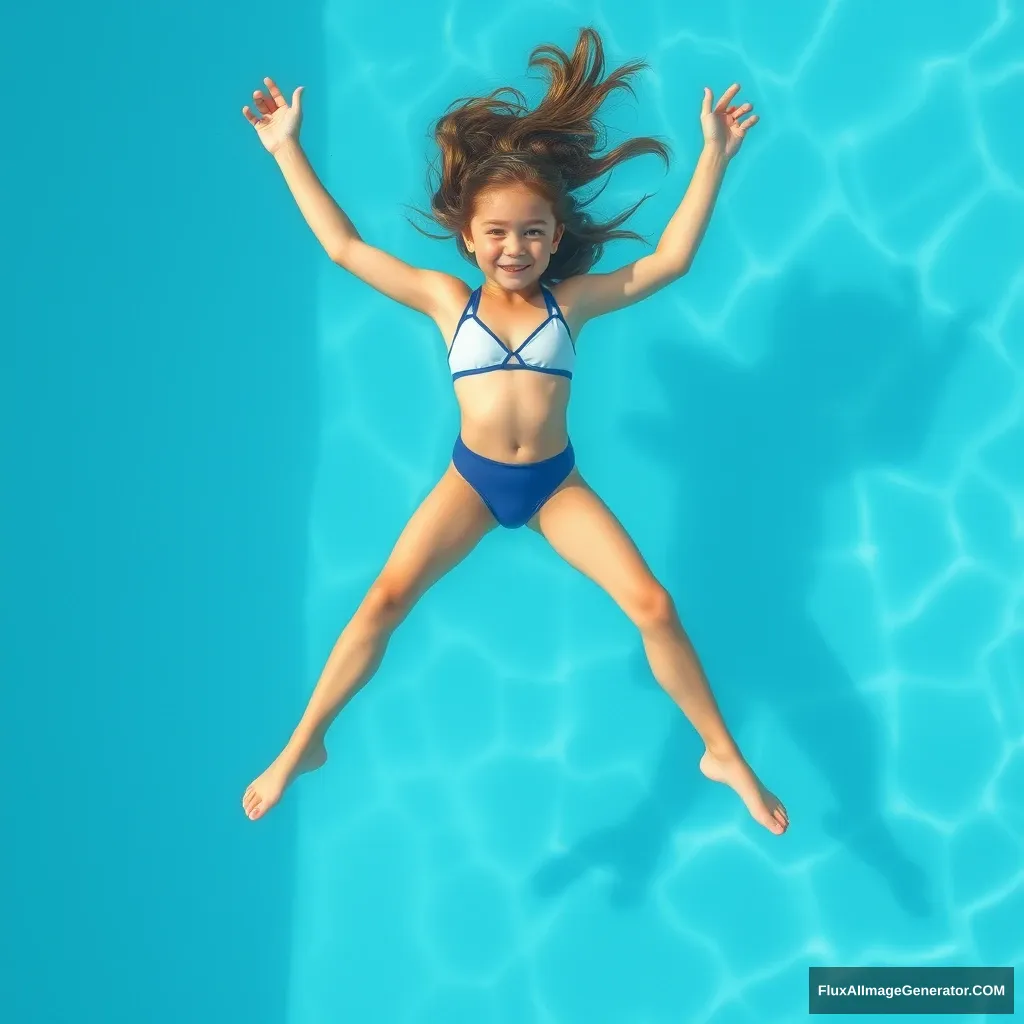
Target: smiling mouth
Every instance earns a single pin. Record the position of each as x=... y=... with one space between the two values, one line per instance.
x=511 y=270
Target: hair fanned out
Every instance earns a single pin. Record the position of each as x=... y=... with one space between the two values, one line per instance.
x=496 y=140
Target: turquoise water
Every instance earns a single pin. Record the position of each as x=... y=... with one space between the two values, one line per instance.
x=815 y=439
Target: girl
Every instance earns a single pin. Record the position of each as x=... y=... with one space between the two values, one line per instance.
x=507 y=194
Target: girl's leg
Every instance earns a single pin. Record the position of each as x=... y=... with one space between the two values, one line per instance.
x=581 y=528
x=442 y=531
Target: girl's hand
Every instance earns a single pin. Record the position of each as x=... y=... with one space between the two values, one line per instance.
x=722 y=126
x=279 y=122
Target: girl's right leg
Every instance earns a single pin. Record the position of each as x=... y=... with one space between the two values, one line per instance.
x=442 y=531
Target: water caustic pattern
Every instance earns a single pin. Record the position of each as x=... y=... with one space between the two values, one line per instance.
x=817 y=440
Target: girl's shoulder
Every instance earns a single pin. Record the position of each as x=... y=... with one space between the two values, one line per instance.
x=566 y=293
x=450 y=300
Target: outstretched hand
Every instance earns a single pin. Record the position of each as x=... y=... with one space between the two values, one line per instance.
x=279 y=121
x=721 y=122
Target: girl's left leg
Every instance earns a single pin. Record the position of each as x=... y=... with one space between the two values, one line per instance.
x=581 y=528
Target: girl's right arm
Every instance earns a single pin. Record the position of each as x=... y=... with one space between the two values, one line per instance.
x=423 y=290
x=427 y=291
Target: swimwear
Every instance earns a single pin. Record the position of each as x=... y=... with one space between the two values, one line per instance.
x=512 y=491
x=475 y=348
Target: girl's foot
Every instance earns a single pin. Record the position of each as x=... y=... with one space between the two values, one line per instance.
x=735 y=772
x=265 y=791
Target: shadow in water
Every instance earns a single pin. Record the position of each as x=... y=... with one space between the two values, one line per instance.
x=850 y=380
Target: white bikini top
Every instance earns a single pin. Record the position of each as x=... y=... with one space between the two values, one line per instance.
x=476 y=349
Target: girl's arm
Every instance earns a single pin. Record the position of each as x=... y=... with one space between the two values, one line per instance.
x=325 y=218
x=685 y=231
x=278 y=129
x=591 y=295
x=422 y=290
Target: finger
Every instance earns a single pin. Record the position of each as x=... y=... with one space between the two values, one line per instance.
x=263 y=105
x=727 y=98
x=275 y=93
x=742 y=109
x=251 y=117
x=749 y=123
x=706 y=103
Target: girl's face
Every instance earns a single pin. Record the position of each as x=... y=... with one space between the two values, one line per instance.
x=512 y=234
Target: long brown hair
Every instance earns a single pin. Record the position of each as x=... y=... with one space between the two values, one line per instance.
x=488 y=142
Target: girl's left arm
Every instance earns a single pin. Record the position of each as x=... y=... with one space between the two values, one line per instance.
x=685 y=231
x=592 y=295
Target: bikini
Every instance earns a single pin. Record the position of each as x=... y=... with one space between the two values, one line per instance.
x=513 y=492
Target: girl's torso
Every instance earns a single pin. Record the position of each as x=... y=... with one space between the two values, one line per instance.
x=511 y=372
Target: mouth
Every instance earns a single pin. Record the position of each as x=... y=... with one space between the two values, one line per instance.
x=512 y=270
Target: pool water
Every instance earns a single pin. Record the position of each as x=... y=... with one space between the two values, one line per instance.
x=214 y=438
x=816 y=440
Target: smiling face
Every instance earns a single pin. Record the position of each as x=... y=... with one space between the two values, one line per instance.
x=512 y=234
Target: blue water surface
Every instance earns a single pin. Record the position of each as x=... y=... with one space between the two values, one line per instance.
x=215 y=436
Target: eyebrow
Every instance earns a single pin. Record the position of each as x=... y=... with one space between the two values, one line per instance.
x=539 y=220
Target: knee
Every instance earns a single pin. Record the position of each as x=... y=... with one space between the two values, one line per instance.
x=387 y=602
x=652 y=608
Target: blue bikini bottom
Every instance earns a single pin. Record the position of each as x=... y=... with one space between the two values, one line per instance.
x=513 y=491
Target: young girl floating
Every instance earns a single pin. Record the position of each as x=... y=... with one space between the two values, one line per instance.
x=507 y=193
